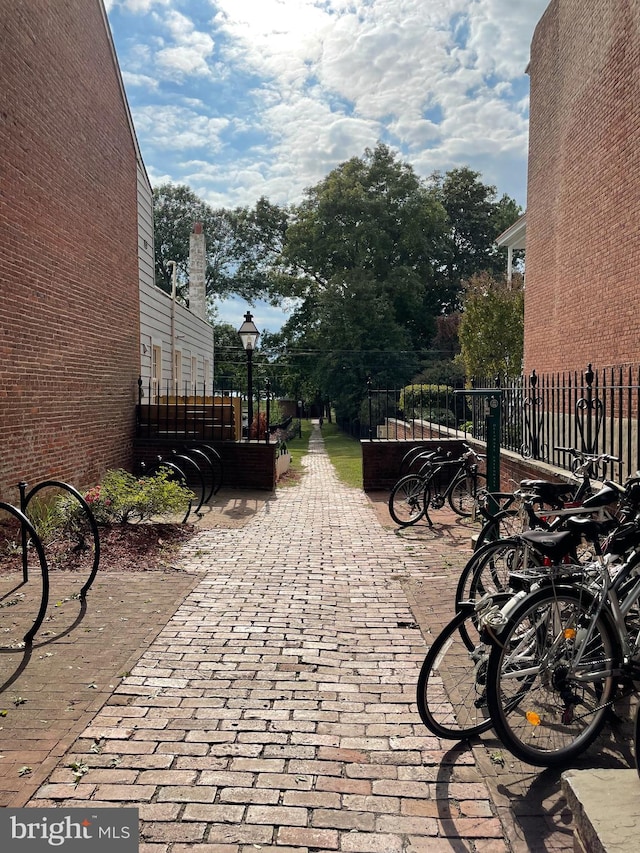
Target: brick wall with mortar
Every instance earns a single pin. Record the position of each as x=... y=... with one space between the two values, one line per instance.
x=69 y=316
x=583 y=252
x=381 y=463
x=245 y=465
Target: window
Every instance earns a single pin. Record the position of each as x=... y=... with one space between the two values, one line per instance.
x=194 y=373
x=156 y=369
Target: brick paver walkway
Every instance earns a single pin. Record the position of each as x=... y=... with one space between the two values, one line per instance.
x=276 y=709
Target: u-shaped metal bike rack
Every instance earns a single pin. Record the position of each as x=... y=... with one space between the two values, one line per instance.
x=29 y=532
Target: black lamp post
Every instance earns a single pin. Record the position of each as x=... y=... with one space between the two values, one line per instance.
x=249 y=335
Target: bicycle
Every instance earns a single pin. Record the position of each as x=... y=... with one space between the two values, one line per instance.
x=549 y=500
x=452 y=694
x=562 y=648
x=490 y=567
x=451 y=691
x=413 y=494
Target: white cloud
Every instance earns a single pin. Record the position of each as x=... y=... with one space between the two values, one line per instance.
x=130 y=80
x=189 y=51
x=138 y=7
x=176 y=128
x=264 y=97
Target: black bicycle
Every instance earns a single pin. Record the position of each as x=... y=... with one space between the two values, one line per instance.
x=438 y=481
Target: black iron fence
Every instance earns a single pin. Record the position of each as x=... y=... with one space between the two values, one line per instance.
x=200 y=411
x=596 y=411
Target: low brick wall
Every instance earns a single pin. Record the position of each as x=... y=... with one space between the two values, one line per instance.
x=247 y=465
x=381 y=462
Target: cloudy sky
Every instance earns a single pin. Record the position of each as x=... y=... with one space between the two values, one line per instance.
x=247 y=98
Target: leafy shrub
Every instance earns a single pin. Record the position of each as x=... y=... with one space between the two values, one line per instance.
x=123 y=498
x=426 y=402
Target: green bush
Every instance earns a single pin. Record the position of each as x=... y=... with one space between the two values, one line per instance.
x=425 y=401
x=123 y=498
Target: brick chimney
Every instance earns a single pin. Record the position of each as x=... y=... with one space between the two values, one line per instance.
x=197 y=269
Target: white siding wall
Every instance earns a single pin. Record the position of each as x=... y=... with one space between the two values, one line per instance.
x=146 y=258
x=193 y=338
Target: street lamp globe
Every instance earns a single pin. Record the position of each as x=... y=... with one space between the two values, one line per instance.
x=248 y=332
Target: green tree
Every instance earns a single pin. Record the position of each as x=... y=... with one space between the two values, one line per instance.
x=360 y=255
x=475 y=217
x=230 y=361
x=242 y=244
x=492 y=326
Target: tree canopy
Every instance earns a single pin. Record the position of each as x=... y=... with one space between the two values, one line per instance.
x=374 y=260
x=240 y=243
x=492 y=326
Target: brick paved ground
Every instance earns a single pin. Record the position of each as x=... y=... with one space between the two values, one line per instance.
x=276 y=708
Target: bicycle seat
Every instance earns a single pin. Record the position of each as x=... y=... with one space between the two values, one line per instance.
x=551 y=493
x=605 y=496
x=554 y=546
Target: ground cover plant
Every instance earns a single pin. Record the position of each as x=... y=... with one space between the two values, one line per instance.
x=136 y=518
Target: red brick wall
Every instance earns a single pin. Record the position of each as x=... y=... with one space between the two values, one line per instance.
x=69 y=316
x=244 y=465
x=583 y=246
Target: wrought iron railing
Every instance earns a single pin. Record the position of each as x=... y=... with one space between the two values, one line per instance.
x=596 y=411
x=199 y=411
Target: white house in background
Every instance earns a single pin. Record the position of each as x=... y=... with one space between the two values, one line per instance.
x=176 y=342
x=514 y=238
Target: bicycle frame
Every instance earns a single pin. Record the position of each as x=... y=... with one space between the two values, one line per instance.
x=604 y=599
x=464 y=467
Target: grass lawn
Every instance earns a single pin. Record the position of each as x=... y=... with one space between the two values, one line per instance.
x=297 y=447
x=345 y=454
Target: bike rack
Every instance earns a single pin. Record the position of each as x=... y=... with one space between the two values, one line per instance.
x=28 y=533
x=196 y=454
x=192 y=459
x=172 y=466
x=25 y=498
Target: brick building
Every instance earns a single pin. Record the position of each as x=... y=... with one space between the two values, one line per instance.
x=583 y=251
x=69 y=278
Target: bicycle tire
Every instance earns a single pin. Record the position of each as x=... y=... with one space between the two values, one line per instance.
x=489 y=569
x=462 y=495
x=527 y=689
x=407 y=503
x=504 y=524
x=451 y=695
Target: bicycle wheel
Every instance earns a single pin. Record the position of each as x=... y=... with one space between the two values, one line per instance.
x=407 y=501
x=451 y=692
x=490 y=568
x=462 y=495
x=549 y=679
x=505 y=523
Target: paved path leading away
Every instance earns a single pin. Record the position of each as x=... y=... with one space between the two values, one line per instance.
x=276 y=708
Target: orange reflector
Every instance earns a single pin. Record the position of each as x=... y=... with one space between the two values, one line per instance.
x=533 y=718
x=569 y=633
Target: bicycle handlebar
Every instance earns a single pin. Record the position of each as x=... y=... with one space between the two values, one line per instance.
x=588 y=457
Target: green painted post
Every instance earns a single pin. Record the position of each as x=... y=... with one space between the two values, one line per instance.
x=493 y=423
